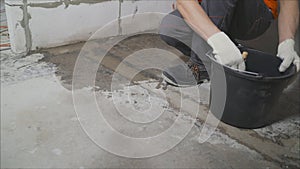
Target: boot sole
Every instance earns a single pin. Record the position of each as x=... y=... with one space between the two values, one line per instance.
x=169 y=81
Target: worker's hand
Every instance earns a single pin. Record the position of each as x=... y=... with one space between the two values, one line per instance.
x=288 y=54
x=225 y=51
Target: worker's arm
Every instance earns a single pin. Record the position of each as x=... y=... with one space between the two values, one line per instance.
x=224 y=49
x=196 y=17
x=288 y=22
x=288 y=19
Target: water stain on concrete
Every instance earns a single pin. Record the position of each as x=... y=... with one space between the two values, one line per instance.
x=65 y=58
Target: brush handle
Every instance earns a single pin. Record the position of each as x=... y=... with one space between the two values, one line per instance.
x=245 y=55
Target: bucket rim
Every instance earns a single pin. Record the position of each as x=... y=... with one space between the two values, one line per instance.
x=251 y=75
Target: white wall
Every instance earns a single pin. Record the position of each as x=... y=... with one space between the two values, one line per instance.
x=37 y=24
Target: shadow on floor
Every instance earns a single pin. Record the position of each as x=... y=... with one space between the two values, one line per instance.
x=289 y=103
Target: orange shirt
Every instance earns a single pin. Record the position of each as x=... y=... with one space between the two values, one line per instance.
x=273 y=5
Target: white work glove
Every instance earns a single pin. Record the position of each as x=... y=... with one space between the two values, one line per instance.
x=288 y=54
x=225 y=51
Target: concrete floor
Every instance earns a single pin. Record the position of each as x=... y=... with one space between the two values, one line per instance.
x=40 y=128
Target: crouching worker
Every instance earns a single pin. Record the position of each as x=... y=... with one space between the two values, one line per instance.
x=217 y=23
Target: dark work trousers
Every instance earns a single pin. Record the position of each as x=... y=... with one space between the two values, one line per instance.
x=239 y=19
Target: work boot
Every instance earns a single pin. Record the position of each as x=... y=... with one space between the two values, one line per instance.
x=185 y=75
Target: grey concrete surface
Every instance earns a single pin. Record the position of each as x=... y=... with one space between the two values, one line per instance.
x=40 y=128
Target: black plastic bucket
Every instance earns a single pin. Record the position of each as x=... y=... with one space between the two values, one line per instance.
x=251 y=95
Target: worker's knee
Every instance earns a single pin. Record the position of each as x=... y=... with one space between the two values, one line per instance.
x=165 y=38
x=167 y=29
x=176 y=33
x=168 y=26
x=173 y=28
x=165 y=35
x=171 y=35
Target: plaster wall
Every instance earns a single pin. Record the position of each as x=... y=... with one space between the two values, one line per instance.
x=35 y=24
